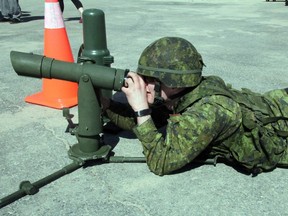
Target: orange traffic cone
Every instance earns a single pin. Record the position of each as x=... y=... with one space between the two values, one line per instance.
x=55 y=93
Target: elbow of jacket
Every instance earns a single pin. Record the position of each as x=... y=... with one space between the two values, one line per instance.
x=160 y=171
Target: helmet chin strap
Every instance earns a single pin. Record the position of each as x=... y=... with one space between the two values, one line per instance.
x=158 y=100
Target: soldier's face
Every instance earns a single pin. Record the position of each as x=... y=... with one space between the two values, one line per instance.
x=150 y=90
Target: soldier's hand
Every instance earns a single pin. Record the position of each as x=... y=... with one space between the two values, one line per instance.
x=135 y=91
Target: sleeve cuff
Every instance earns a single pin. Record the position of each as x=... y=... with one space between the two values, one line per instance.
x=146 y=132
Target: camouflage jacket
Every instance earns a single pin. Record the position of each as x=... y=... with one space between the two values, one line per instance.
x=246 y=128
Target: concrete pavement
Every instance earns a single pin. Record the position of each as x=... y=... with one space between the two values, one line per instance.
x=244 y=42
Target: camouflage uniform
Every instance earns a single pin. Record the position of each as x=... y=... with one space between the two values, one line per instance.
x=246 y=128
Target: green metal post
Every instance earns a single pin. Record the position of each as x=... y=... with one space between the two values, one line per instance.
x=94 y=41
x=90 y=123
x=90 y=145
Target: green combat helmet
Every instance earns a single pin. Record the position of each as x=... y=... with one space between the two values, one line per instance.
x=174 y=61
